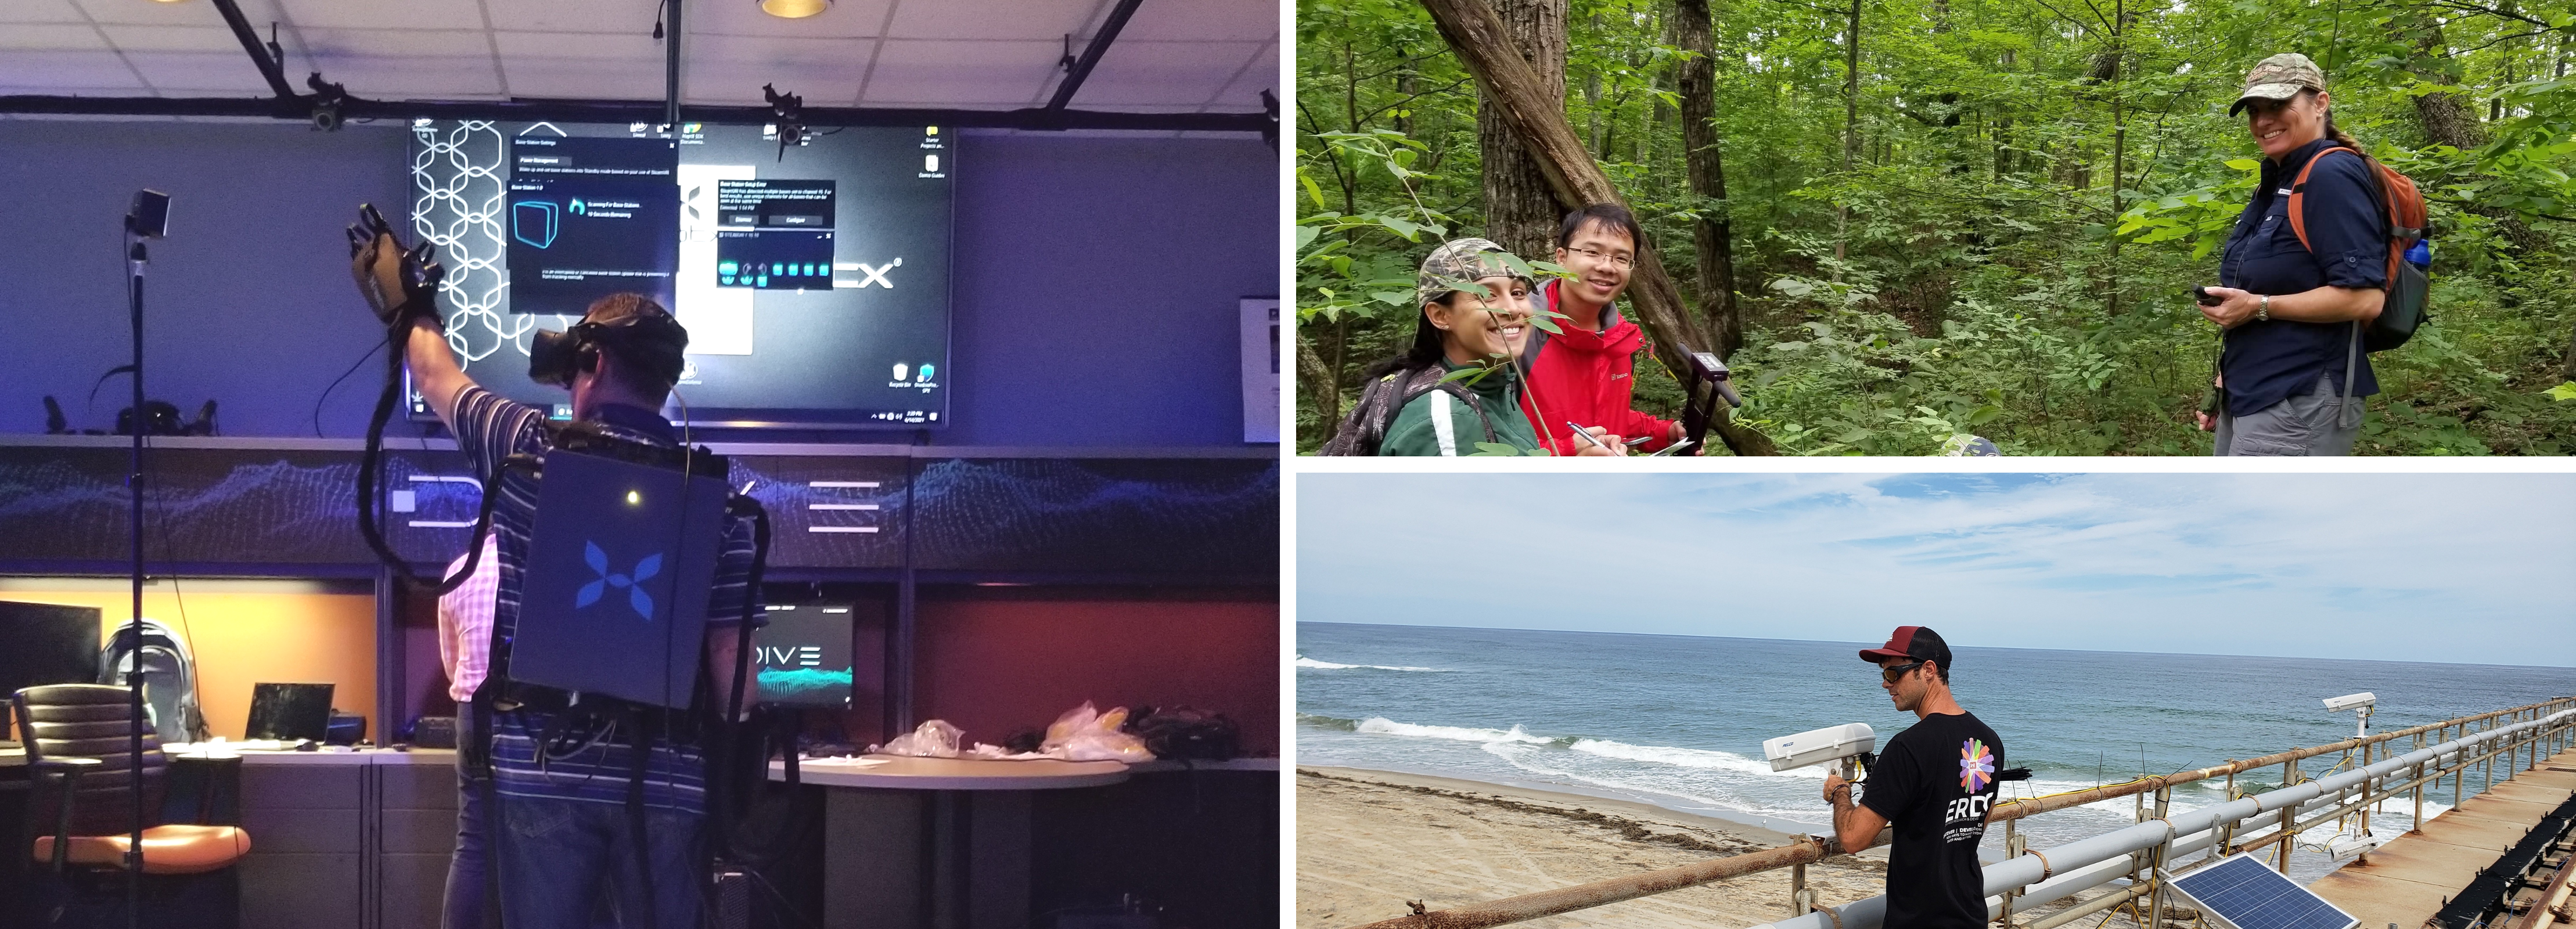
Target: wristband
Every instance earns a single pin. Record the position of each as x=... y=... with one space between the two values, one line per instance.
x=2263 y=313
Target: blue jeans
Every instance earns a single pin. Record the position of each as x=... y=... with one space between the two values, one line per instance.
x=466 y=887
x=557 y=858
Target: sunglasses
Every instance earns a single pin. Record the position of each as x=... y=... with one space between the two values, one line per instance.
x=1891 y=674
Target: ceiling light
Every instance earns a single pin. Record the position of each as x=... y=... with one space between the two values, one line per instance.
x=785 y=9
x=169 y=1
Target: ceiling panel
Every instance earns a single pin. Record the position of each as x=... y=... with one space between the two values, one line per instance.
x=988 y=19
x=131 y=12
x=48 y=72
x=1245 y=93
x=389 y=43
x=414 y=76
x=1175 y=55
x=618 y=67
x=1202 y=21
x=383 y=14
x=178 y=39
x=846 y=19
x=613 y=16
x=40 y=11
x=976 y=74
x=201 y=73
x=1170 y=73
x=50 y=37
x=731 y=69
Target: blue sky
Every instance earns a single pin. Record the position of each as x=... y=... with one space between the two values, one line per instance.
x=2415 y=567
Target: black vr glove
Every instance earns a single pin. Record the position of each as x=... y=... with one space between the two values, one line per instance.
x=398 y=284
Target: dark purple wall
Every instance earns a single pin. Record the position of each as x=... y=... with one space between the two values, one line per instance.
x=1096 y=279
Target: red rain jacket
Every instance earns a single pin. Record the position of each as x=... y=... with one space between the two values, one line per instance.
x=1585 y=377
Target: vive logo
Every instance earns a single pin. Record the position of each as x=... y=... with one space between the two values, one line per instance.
x=645 y=568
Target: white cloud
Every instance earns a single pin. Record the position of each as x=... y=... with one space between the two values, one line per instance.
x=2427 y=567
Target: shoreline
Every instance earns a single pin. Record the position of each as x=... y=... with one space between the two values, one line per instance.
x=1371 y=842
x=1761 y=830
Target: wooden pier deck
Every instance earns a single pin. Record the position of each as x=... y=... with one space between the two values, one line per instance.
x=2407 y=879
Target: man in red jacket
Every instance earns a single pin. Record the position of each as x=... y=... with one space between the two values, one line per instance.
x=1584 y=374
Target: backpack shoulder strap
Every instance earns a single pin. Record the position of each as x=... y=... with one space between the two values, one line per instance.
x=2299 y=194
x=1430 y=379
x=2380 y=197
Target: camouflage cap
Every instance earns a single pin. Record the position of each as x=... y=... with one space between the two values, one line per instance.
x=1458 y=260
x=2279 y=77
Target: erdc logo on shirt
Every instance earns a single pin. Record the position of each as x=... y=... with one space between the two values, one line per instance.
x=1976 y=770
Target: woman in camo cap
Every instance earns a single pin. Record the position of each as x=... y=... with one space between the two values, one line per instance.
x=1475 y=314
x=2292 y=375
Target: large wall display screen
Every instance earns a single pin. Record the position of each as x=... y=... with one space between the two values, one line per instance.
x=813 y=278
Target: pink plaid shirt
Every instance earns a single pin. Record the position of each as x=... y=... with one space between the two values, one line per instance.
x=465 y=622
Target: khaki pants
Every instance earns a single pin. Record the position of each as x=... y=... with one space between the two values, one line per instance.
x=2306 y=424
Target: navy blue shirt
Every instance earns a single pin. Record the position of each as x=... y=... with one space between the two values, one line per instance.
x=2272 y=360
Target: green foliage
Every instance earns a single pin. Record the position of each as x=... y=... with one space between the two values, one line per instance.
x=1997 y=276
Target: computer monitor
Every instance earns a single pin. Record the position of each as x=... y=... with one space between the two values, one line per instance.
x=813 y=277
x=803 y=656
x=45 y=643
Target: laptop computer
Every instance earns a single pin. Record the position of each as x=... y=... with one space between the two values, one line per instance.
x=621 y=561
x=289 y=712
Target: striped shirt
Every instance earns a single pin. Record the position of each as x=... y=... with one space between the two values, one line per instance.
x=580 y=762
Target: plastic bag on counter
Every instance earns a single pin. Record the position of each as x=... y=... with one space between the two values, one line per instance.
x=1086 y=734
x=991 y=752
x=935 y=739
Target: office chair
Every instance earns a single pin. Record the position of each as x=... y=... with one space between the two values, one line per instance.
x=80 y=818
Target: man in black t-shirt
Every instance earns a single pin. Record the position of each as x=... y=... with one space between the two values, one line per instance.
x=1935 y=782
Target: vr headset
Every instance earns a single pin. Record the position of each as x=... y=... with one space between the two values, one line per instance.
x=650 y=337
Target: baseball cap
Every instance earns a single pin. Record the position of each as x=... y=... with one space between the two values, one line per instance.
x=1917 y=642
x=2279 y=77
x=1458 y=260
x=1970 y=446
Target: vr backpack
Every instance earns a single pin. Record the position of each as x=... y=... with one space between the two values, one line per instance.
x=169 y=678
x=1382 y=398
x=2403 y=206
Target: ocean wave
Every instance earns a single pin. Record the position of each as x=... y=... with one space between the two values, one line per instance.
x=1305 y=662
x=1328 y=722
x=1691 y=758
x=1380 y=725
x=1525 y=758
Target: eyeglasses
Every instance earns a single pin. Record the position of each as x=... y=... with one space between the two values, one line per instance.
x=1623 y=261
x=1891 y=674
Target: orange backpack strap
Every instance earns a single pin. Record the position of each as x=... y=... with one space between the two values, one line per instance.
x=2299 y=195
x=2386 y=202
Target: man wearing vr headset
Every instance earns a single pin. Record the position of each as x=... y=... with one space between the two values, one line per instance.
x=561 y=842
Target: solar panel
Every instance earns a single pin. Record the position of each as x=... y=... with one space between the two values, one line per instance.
x=2247 y=894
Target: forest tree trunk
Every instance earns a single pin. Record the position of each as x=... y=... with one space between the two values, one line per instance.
x=1323 y=390
x=1520 y=210
x=1851 y=132
x=1713 y=236
x=1519 y=95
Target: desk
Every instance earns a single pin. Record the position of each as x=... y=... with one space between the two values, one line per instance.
x=967 y=819
x=345 y=840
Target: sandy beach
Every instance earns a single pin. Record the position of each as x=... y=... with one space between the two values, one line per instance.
x=1367 y=841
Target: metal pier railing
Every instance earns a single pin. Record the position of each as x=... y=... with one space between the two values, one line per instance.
x=2146 y=853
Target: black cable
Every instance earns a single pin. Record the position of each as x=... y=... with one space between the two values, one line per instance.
x=335 y=383
x=188 y=631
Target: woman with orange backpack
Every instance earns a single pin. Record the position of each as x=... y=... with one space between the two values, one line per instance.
x=2301 y=277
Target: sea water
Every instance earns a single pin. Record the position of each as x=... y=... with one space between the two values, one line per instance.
x=1678 y=721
